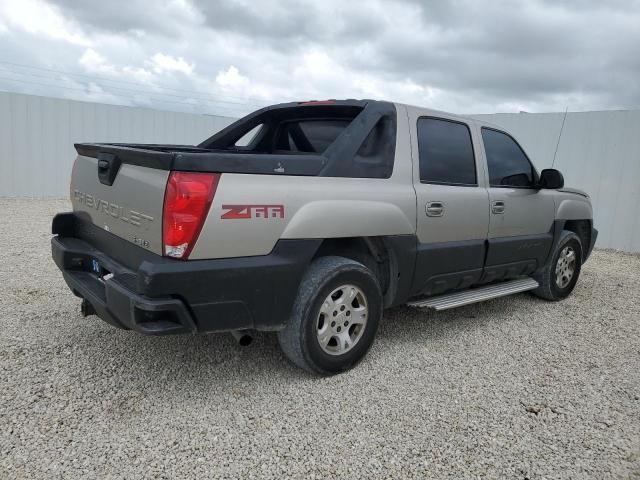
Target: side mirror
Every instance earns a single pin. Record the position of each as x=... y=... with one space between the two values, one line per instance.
x=551 y=178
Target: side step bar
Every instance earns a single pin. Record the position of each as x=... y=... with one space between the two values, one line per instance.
x=480 y=294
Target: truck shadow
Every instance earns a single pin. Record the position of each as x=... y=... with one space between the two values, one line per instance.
x=216 y=362
x=406 y=324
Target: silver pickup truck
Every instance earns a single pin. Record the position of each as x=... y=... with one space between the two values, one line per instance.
x=309 y=219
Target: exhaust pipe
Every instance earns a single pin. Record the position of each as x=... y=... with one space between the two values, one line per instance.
x=86 y=308
x=243 y=337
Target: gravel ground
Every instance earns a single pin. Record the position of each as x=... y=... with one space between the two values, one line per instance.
x=512 y=388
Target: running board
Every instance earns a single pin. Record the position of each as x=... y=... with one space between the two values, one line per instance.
x=480 y=294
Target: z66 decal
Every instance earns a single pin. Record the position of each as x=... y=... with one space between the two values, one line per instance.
x=239 y=212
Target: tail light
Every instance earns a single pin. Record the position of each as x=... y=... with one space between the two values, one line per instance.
x=186 y=204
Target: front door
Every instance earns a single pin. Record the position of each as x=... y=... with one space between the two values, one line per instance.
x=453 y=205
x=521 y=215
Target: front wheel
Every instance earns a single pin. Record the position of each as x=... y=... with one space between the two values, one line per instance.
x=334 y=318
x=560 y=275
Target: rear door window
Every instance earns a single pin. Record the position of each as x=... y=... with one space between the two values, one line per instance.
x=445 y=152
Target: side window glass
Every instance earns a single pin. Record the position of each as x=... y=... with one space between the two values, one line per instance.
x=508 y=164
x=445 y=152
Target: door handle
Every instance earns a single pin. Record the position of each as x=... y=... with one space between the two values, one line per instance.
x=435 y=209
x=497 y=207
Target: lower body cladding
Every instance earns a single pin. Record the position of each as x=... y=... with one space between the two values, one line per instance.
x=156 y=296
x=132 y=288
x=459 y=265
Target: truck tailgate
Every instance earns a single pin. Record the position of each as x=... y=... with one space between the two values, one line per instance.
x=130 y=207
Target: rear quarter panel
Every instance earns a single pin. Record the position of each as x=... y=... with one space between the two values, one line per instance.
x=314 y=207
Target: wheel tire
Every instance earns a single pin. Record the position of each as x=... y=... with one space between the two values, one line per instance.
x=549 y=288
x=300 y=340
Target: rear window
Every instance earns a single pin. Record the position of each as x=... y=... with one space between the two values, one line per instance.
x=322 y=139
x=299 y=130
x=322 y=133
x=313 y=136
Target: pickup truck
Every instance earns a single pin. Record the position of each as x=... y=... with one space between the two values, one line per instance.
x=309 y=219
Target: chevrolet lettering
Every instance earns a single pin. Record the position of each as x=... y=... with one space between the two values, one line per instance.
x=108 y=208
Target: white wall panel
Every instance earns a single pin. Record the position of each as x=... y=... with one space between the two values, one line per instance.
x=37 y=136
x=598 y=152
x=6 y=146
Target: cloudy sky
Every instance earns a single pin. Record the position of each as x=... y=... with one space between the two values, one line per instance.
x=230 y=57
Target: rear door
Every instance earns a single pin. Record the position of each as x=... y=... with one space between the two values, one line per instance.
x=452 y=201
x=521 y=215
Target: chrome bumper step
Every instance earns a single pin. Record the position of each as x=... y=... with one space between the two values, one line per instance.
x=479 y=294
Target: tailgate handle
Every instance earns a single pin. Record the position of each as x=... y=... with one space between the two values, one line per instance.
x=108 y=166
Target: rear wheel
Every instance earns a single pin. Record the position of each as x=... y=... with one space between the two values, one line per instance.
x=560 y=275
x=334 y=318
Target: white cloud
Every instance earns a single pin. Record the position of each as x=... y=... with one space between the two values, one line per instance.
x=166 y=63
x=232 y=82
x=139 y=74
x=94 y=62
x=232 y=78
x=231 y=57
x=39 y=18
x=319 y=73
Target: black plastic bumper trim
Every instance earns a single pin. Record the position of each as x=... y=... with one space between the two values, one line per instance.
x=155 y=295
x=592 y=243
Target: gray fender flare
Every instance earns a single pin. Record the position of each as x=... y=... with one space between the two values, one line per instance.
x=574 y=209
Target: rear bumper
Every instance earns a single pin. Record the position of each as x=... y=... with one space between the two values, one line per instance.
x=155 y=295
